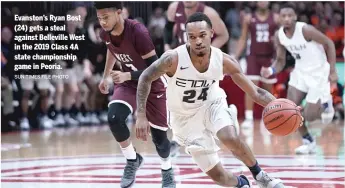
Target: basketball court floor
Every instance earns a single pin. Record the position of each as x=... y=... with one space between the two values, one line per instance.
x=85 y=157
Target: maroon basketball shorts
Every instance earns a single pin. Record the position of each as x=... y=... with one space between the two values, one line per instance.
x=254 y=65
x=156 y=105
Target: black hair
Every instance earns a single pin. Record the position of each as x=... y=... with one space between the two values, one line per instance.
x=199 y=16
x=108 y=4
x=287 y=5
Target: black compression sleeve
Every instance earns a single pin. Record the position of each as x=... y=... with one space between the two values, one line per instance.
x=168 y=32
x=150 y=60
x=136 y=74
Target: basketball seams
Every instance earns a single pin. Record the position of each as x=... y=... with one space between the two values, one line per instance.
x=281 y=123
x=281 y=101
x=293 y=127
x=280 y=110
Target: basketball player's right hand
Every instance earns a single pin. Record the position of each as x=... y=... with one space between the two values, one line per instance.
x=266 y=72
x=142 y=127
x=302 y=118
x=104 y=86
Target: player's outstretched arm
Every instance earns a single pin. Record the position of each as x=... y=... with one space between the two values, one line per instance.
x=311 y=33
x=109 y=64
x=219 y=28
x=232 y=68
x=280 y=61
x=166 y=64
x=169 y=26
x=243 y=39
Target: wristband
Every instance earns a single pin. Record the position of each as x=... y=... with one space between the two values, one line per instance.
x=273 y=70
x=136 y=74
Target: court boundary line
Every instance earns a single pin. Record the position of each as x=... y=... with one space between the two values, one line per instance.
x=308 y=157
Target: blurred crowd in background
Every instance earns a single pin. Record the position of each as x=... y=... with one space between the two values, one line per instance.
x=31 y=104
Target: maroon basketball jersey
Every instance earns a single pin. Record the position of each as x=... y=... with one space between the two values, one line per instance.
x=180 y=21
x=262 y=35
x=134 y=42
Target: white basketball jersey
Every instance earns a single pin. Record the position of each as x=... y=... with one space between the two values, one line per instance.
x=310 y=56
x=188 y=89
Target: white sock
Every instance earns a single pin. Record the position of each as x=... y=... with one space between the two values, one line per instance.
x=129 y=152
x=165 y=163
x=249 y=114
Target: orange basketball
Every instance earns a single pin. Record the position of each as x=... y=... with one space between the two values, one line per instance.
x=281 y=117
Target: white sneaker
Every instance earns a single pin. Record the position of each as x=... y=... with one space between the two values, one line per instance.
x=328 y=112
x=94 y=119
x=46 y=123
x=59 y=120
x=307 y=147
x=247 y=123
x=233 y=113
x=81 y=118
x=87 y=118
x=24 y=124
x=70 y=121
x=265 y=181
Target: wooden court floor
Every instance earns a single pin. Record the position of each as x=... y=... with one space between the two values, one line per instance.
x=90 y=157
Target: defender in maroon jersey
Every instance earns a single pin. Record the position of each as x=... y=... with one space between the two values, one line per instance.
x=261 y=25
x=131 y=50
x=177 y=14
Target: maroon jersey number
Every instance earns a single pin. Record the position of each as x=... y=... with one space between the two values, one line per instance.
x=262 y=36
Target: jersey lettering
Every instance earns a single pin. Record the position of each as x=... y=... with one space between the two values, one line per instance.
x=125 y=58
x=193 y=83
x=262 y=32
x=296 y=55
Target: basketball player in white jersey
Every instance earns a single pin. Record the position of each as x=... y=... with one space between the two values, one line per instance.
x=198 y=107
x=314 y=69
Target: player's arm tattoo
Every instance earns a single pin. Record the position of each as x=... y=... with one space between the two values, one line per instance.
x=263 y=97
x=280 y=61
x=152 y=73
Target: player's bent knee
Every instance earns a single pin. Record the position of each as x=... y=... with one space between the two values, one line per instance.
x=161 y=141
x=310 y=116
x=228 y=136
x=117 y=115
x=311 y=112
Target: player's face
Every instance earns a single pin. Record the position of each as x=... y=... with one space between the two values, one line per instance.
x=262 y=4
x=109 y=18
x=199 y=37
x=190 y=4
x=287 y=17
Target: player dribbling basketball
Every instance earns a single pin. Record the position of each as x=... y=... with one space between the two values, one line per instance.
x=197 y=105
